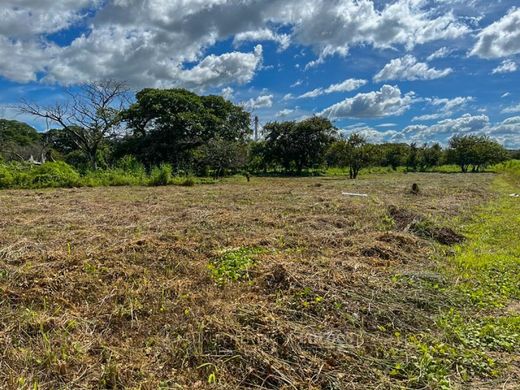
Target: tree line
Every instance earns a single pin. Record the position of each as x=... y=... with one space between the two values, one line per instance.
x=100 y=125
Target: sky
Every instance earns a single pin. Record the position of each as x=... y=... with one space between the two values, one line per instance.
x=394 y=71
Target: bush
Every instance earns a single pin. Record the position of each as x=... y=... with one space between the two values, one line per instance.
x=6 y=178
x=161 y=176
x=54 y=174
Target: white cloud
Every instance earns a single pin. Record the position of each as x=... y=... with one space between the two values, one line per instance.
x=451 y=104
x=345 y=86
x=501 y=38
x=311 y=94
x=227 y=93
x=507 y=66
x=370 y=134
x=429 y=117
x=441 y=53
x=511 y=109
x=149 y=42
x=285 y=112
x=444 y=106
x=385 y=102
x=407 y=68
x=505 y=94
x=261 y=101
x=332 y=27
x=446 y=128
x=263 y=34
x=506 y=132
x=387 y=125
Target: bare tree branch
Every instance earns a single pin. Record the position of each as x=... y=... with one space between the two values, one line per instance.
x=91 y=113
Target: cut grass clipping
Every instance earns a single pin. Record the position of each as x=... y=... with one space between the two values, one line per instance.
x=233 y=265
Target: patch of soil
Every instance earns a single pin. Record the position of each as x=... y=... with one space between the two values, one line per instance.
x=406 y=220
x=277 y=279
x=403 y=218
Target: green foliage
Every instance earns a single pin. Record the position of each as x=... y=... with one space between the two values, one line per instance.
x=353 y=153
x=161 y=175
x=6 y=177
x=296 y=146
x=170 y=125
x=475 y=151
x=232 y=265
x=486 y=269
x=490 y=333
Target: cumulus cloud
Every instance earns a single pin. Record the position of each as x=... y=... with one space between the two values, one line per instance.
x=261 y=101
x=332 y=27
x=444 y=107
x=441 y=53
x=447 y=128
x=511 y=109
x=385 y=102
x=506 y=132
x=408 y=68
x=507 y=66
x=285 y=112
x=227 y=93
x=150 y=42
x=264 y=34
x=370 y=134
x=345 y=86
x=501 y=38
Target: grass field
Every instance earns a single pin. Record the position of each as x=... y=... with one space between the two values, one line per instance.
x=273 y=283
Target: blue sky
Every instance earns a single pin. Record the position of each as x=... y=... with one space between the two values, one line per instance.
x=402 y=70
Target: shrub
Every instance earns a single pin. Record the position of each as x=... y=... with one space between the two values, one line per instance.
x=188 y=182
x=6 y=178
x=161 y=175
x=54 y=174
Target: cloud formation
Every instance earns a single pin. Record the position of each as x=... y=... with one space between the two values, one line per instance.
x=345 y=86
x=385 y=102
x=408 y=68
x=501 y=38
x=507 y=66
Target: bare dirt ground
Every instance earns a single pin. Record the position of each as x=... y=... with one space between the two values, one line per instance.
x=110 y=287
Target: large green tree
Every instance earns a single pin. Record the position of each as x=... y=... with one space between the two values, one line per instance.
x=475 y=151
x=169 y=125
x=298 y=145
x=18 y=140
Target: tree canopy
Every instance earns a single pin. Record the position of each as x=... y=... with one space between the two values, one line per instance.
x=169 y=125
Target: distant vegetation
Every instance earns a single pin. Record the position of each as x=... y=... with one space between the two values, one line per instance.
x=170 y=135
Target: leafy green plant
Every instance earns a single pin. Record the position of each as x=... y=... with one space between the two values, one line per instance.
x=232 y=265
x=161 y=175
x=6 y=178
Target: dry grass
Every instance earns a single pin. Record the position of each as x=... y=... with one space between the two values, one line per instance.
x=110 y=287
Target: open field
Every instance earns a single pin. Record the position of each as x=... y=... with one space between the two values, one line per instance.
x=275 y=283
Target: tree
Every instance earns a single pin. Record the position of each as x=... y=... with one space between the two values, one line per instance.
x=474 y=151
x=353 y=153
x=92 y=113
x=169 y=125
x=429 y=156
x=298 y=145
x=18 y=140
x=412 y=159
x=221 y=157
x=394 y=155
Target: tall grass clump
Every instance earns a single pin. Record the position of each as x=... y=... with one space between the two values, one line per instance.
x=161 y=175
x=6 y=178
